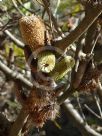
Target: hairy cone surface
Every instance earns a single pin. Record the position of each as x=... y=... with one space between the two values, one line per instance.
x=41 y=106
x=32 y=30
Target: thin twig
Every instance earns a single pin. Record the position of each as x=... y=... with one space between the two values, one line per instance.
x=79 y=105
x=78 y=121
x=14 y=39
x=52 y=18
x=97 y=103
x=89 y=109
x=57 y=5
x=99 y=90
x=15 y=75
x=17 y=8
x=88 y=48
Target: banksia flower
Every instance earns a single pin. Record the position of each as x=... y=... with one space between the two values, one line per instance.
x=62 y=68
x=33 y=31
x=46 y=61
x=41 y=106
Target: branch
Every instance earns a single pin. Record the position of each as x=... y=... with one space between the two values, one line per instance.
x=89 y=45
x=14 y=39
x=92 y=112
x=52 y=17
x=16 y=7
x=18 y=124
x=72 y=114
x=15 y=75
x=99 y=90
x=81 y=28
x=90 y=39
x=16 y=127
x=57 y=6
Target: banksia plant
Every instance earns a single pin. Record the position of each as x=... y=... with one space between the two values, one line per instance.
x=41 y=106
x=33 y=31
x=62 y=67
x=46 y=61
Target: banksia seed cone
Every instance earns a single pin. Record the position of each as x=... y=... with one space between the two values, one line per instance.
x=33 y=31
x=46 y=61
x=62 y=68
x=41 y=106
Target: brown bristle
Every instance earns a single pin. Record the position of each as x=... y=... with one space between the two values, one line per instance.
x=32 y=30
x=41 y=106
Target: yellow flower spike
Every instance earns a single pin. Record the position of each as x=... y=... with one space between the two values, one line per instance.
x=62 y=67
x=46 y=61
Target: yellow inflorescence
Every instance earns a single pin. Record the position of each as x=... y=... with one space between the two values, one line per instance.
x=62 y=67
x=46 y=61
